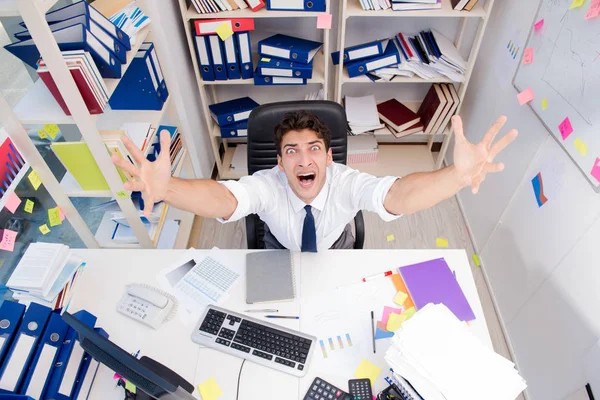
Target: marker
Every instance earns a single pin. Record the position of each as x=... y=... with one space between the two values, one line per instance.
x=381 y=275
x=263 y=310
x=373 y=332
x=282 y=316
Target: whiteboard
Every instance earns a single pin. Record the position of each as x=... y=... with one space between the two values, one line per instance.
x=566 y=72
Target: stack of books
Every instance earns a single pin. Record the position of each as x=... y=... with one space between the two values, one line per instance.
x=223 y=48
x=285 y=60
x=399 y=119
x=438 y=107
x=463 y=5
x=232 y=116
x=401 y=5
x=214 y=6
x=362 y=114
x=11 y=163
x=46 y=274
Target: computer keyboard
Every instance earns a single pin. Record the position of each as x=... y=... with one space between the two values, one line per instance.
x=264 y=343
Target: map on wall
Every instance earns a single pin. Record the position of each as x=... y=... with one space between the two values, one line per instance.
x=564 y=75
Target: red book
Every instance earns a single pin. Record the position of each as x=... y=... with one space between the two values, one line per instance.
x=397 y=115
x=416 y=128
x=432 y=107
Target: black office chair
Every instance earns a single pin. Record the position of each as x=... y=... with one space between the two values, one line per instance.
x=262 y=153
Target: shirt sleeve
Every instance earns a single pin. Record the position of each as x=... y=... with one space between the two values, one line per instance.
x=368 y=192
x=253 y=193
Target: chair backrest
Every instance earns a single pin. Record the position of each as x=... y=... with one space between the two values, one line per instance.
x=262 y=153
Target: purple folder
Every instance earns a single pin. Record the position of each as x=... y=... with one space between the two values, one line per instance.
x=433 y=282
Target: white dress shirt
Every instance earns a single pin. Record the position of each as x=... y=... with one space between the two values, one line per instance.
x=345 y=192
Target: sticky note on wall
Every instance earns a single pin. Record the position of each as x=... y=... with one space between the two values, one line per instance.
x=525 y=96
x=565 y=128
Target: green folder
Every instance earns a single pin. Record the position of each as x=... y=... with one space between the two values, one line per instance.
x=79 y=161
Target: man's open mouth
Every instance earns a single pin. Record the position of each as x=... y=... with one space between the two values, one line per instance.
x=306 y=180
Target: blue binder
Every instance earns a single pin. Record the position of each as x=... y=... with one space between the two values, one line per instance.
x=164 y=93
x=45 y=357
x=289 y=48
x=360 y=51
x=307 y=5
x=15 y=365
x=139 y=89
x=216 y=49
x=114 y=45
x=231 y=56
x=82 y=7
x=10 y=319
x=87 y=373
x=231 y=111
x=15 y=397
x=204 y=58
x=277 y=67
x=260 y=80
x=235 y=130
x=75 y=37
x=245 y=53
x=391 y=56
x=64 y=373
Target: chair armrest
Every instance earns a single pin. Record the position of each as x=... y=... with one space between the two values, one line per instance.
x=359 y=226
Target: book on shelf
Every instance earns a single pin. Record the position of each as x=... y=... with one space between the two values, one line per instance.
x=406 y=6
x=437 y=108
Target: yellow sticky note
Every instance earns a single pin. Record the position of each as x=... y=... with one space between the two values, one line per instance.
x=390 y=238
x=577 y=3
x=409 y=312
x=130 y=386
x=224 y=31
x=400 y=298
x=44 y=229
x=395 y=322
x=52 y=130
x=209 y=389
x=441 y=242
x=476 y=260
x=580 y=146
x=366 y=369
x=42 y=134
x=544 y=103
x=122 y=194
x=264 y=59
x=34 y=179
x=54 y=216
x=28 y=206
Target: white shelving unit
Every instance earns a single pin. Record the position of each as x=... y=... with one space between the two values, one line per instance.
x=38 y=106
x=353 y=9
x=208 y=90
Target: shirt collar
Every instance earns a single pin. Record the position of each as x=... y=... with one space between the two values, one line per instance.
x=318 y=202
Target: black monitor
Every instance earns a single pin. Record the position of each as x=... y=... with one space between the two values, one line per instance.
x=153 y=378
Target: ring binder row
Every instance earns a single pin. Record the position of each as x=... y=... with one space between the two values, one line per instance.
x=215 y=6
x=11 y=163
x=40 y=355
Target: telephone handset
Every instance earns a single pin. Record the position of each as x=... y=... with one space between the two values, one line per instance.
x=147 y=305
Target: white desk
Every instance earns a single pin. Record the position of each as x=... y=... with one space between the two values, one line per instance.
x=323 y=281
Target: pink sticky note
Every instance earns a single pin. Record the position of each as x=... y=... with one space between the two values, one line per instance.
x=324 y=21
x=117 y=376
x=565 y=128
x=539 y=25
x=389 y=310
x=528 y=56
x=596 y=169
x=525 y=96
x=8 y=240
x=62 y=214
x=12 y=203
x=594 y=10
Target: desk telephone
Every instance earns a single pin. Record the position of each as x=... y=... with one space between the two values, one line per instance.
x=147 y=305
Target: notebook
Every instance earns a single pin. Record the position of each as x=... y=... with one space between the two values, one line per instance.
x=270 y=276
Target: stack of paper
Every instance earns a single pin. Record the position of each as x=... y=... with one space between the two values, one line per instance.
x=362 y=114
x=239 y=161
x=46 y=275
x=442 y=360
x=401 y=5
x=131 y=19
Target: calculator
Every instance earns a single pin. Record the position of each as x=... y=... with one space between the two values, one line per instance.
x=360 y=389
x=322 y=390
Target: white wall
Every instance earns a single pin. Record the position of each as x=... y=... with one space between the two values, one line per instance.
x=542 y=263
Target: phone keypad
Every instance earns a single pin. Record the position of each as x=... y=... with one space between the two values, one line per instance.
x=134 y=308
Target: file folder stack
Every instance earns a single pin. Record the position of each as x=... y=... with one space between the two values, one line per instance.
x=40 y=355
x=232 y=116
x=401 y=5
x=368 y=57
x=285 y=60
x=143 y=86
x=214 y=6
x=46 y=275
x=80 y=26
x=11 y=163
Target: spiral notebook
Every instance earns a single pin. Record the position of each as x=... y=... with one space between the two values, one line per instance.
x=270 y=276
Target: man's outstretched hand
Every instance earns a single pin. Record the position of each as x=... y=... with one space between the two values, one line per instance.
x=151 y=178
x=473 y=161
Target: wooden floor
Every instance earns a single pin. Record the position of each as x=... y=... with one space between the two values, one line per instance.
x=418 y=231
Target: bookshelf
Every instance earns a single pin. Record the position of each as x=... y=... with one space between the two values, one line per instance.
x=39 y=107
x=351 y=9
x=210 y=91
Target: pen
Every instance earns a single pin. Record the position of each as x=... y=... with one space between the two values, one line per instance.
x=263 y=310
x=380 y=275
x=282 y=316
x=373 y=331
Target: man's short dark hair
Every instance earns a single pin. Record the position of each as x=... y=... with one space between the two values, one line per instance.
x=300 y=120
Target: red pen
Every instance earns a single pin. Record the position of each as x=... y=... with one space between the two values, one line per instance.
x=380 y=275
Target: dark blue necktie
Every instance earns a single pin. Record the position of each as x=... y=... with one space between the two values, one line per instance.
x=309 y=233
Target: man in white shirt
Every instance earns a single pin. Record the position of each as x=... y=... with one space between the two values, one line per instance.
x=308 y=200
